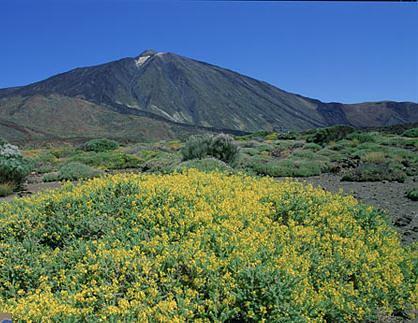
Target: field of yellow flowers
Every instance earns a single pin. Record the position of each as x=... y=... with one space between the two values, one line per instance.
x=201 y=247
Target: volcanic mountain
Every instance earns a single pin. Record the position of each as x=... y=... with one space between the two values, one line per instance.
x=160 y=95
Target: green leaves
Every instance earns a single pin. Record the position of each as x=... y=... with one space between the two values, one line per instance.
x=99 y=145
x=220 y=147
x=13 y=167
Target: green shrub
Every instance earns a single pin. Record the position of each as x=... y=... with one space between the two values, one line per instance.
x=45 y=162
x=344 y=145
x=367 y=148
x=205 y=165
x=75 y=171
x=271 y=136
x=259 y=135
x=161 y=163
x=286 y=167
x=51 y=177
x=14 y=170
x=6 y=189
x=249 y=151
x=287 y=135
x=198 y=247
x=312 y=146
x=304 y=154
x=100 y=145
x=325 y=135
x=375 y=173
x=331 y=155
x=250 y=144
x=13 y=167
x=147 y=154
x=64 y=151
x=290 y=144
x=363 y=137
x=196 y=147
x=264 y=147
x=108 y=160
x=374 y=157
x=413 y=133
x=412 y=194
x=220 y=146
x=223 y=148
x=399 y=141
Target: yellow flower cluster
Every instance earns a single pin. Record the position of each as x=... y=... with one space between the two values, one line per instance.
x=201 y=247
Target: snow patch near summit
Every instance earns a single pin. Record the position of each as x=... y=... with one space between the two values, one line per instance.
x=141 y=60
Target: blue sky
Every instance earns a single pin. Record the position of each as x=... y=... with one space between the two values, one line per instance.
x=346 y=52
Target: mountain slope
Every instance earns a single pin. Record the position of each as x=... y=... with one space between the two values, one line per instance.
x=172 y=89
x=40 y=118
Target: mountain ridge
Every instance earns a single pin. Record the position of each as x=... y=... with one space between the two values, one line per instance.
x=183 y=92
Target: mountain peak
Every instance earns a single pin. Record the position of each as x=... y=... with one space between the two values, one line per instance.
x=144 y=56
x=148 y=52
x=179 y=93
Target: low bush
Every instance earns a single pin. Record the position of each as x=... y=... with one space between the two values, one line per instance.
x=51 y=177
x=326 y=135
x=147 y=154
x=375 y=173
x=44 y=162
x=6 y=189
x=100 y=145
x=75 y=171
x=344 y=146
x=161 y=163
x=64 y=151
x=363 y=137
x=264 y=147
x=198 y=247
x=13 y=166
x=399 y=141
x=305 y=154
x=204 y=165
x=14 y=170
x=9 y=151
x=196 y=147
x=374 y=157
x=312 y=146
x=287 y=135
x=223 y=148
x=249 y=151
x=174 y=145
x=271 y=136
x=412 y=133
x=248 y=144
x=220 y=146
x=108 y=160
x=369 y=146
x=286 y=167
x=412 y=194
x=331 y=155
x=258 y=135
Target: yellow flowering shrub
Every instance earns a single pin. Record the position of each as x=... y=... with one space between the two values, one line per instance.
x=199 y=247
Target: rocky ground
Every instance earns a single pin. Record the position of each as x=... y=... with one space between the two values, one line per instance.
x=387 y=196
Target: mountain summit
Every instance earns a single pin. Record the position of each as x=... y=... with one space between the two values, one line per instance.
x=144 y=56
x=159 y=94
